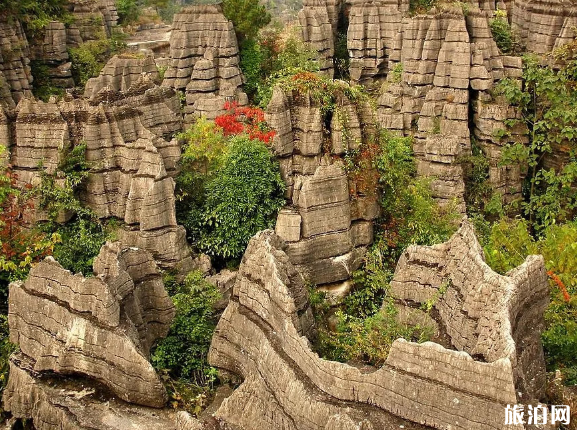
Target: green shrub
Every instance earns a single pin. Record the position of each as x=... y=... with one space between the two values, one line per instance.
x=35 y=14
x=183 y=353
x=242 y=199
x=248 y=17
x=89 y=58
x=501 y=31
x=367 y=340
x=6 y=349
x=420 y=6
x=507 y=246
x=42 y=86
x=81 y=240
x=128 y=11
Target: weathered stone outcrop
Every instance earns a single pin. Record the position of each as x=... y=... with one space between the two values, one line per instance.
x=72 y=405
x=318 y=21
x=15 y=74
x=370 y=37
x=261 y=337
x=120 y=73
x=204 y=61
x=445 y=62
x=100 y=327
x=489 y=316
x=132 y=163
x=50 y=50
x=544 y=24
x=327 y=221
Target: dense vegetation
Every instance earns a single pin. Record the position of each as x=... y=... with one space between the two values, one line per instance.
x=229 y=187
x=182 y=355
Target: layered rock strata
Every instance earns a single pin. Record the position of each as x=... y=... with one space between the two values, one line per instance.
x=131 y=162
x=443 y=63
x=100 y=327
x=261 y=337
x=544 y=24
x=491 y=317
x=327 y=222
x=120 y=73
x=204 y=61
x=15 y=74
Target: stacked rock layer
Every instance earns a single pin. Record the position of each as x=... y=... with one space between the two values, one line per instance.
x=261 y=337
x=327 y=222
x=204 y=61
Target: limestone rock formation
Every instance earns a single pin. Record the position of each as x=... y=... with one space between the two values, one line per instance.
x=261 y=337
x=327 y=226
x=132 y=162
x=100 y=327
x=120 y=73
x=50 y=50
x=204 y=61
x=544 y=24
x=318 y=21
x=73 y=406
x=15 y=74
x=446 y=62
x=498 y=316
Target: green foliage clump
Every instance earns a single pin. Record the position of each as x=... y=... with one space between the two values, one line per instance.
x=42 y=86
x=248 y=17
x=506 y=246
x=182 y=355
x=366 y=339
x=242 y=199
x=229 y=189
x=420 y=6
x=128 y=11
x=35 y=14
x=82 y=237
x=548 y=105
x=6 y=349
x=270 y=57
x=502 y=33
x=89 y=58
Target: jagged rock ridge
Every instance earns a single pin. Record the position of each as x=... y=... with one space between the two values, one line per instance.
x=261 y=337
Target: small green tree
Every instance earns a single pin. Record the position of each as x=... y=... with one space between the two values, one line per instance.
x=248 y=17
x=242 y=199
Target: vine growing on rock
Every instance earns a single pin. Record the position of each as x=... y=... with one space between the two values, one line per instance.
x=548 y=105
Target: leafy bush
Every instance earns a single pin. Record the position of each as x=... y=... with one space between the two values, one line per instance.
x=183 y=353
x=35 y=14
x=89 y=58
x=244 y=120
x=420 y=6
x=21 y=243
x=229 y=189
x=548 y=105
x=81 y=240
x=248 y=17
x=128 y=11
x=42 y=86
x=242 y=199
x=368 y=339
x=6 y=349
x=501 y=31
x=508 y=244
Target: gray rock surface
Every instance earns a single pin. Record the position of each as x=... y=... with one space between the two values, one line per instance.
x=100 y=327
x=261 y=338
x=204 y=61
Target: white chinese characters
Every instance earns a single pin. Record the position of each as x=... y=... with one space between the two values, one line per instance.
x=515 y=415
